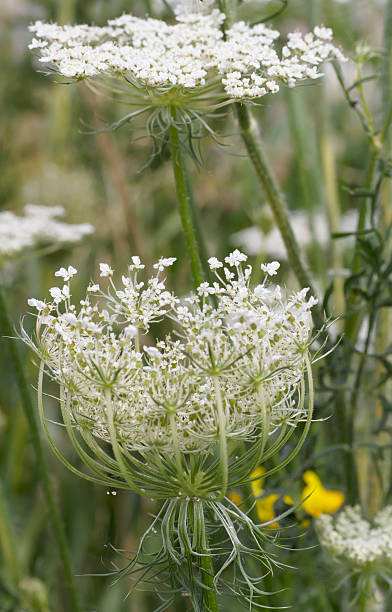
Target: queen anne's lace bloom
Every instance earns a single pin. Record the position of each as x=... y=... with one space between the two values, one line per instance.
x=162 y=58
x=356 y=541
x=233 y=365
x=39 y=226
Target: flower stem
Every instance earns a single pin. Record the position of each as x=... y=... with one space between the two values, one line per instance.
x=251 y=137
x=184 y=203
x=54 y=514
x=210 y=597
x=223 y=455
x=177 y=456
x=365 y=597
x=124 y=468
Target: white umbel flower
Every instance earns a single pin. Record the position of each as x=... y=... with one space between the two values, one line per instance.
x=192 y=53
x=233 y=365
x=354 y=540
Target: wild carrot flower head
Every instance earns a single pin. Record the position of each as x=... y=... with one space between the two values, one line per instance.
x=185 y=416
x=244 y=351
x=181 y=71
x=364 y=547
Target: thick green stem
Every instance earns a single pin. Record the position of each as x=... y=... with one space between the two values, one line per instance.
x=366 y=597
x=54 y=514
x=197 y=224
x=223 y=455
x=251 y=137
x=210 y=596
x=184 y=203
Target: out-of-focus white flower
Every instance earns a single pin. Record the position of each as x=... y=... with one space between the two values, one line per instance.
x=352 y=539
x=38 y=227
x=254 y=241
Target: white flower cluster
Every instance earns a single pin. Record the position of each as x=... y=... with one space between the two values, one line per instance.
x=192 y=52
x=39 y=226
x=235 y=359
x=354 y=540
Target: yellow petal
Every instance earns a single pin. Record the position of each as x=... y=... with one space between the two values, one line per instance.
x=236 y=498
x=288 y=500
x=257 y=485
x=320 y=500
x=265 y=509
x=332 y=500
x=312 y=479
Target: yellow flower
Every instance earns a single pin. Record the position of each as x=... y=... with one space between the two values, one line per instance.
x=264 y=506
x=236 y=498
x=257 y=485
x=319 y=500
x=265 y=509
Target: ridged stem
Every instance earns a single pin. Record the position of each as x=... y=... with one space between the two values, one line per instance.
x=54 y=513
x=252 y=139
x=210 y=597
x=366 y=597
x=184 y=204
x=223 y=455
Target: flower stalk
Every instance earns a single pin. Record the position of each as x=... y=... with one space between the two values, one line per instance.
x=210 y=597
x=251 y=136
x=184 y=203
x=223 y=455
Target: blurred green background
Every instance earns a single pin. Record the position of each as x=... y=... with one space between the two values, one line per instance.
x=49 y=156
